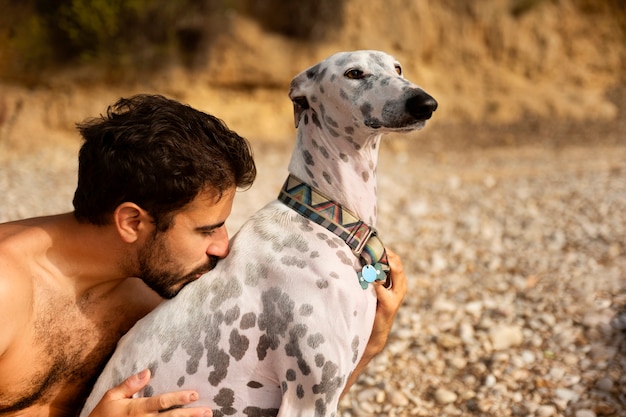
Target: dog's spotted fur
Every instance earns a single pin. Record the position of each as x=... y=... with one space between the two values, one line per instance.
x=278 y=326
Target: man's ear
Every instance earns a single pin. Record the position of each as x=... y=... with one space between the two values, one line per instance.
x=130 y=221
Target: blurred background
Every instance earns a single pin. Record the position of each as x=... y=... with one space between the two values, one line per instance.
x=488 y=62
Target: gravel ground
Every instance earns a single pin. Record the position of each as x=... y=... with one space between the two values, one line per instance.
x=515 y=251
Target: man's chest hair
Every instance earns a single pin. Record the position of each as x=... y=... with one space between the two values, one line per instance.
x=69 y=344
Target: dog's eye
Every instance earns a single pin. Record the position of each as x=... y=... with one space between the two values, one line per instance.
x=354 y=74
x=399 y=69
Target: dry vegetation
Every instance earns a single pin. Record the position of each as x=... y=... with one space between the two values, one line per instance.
x=495 y=62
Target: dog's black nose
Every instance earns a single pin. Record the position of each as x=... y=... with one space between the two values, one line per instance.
x=421 y=105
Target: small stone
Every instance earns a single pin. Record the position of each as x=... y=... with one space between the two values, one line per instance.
x=504 y=337
x=466 y=333
x=381 y=396
x=474 y=308
x=546 y=411
x=443 y=305
x=604 y=409
x=458 y=362
x=444 y=396
x=569 y=380
x=548 y=319
x=367 y=408
x=585 y=413
x=448 y=341
x=528 y=356
x=367 y=395
x=556 y=373
x=490 y=380
x=604 y=384
x=595 y=319
x=531 y=406
x=398 y=399
x=566 y=394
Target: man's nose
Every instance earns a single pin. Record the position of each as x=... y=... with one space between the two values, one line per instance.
x=219 y=245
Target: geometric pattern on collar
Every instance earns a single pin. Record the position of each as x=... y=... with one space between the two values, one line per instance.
x=362 y=238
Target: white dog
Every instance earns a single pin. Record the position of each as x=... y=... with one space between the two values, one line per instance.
x=278 y=326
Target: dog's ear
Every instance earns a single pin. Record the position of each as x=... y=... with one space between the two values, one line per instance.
x=298 y=89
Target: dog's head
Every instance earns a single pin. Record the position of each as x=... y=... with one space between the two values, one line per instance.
x=351 y=91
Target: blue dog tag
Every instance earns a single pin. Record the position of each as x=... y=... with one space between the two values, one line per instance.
x=369 y=273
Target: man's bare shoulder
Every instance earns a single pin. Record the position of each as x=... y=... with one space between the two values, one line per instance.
x=16 y=285
x=24 y=235
x=20 y=241
x=13 y=230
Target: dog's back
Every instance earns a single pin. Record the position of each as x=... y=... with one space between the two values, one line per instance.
x=276 y=325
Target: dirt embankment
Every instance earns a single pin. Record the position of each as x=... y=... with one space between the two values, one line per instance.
x=496 y=62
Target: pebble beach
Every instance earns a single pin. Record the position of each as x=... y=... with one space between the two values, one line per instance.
x=516 y=260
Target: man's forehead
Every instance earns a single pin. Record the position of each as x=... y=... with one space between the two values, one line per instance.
x=213 y=196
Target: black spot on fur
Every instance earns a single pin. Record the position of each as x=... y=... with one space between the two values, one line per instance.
x=312 y=72
x=319 y=360
x=248 y=321
x=322 y=283
x=277 y=315
x=225 y=399
x=329 y=384
x=259 y=412
x=333 y=132
x=238 y=344
x=366 y=111
x=331 y=121
x=316 y=121
x=355 y=349
x=292 y=348
x=308 y=158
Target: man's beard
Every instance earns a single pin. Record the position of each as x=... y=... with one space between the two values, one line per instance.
x=159 y=271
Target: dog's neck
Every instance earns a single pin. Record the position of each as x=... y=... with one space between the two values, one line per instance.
x=342 y=169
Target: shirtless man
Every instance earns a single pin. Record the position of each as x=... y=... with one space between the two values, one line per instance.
x=156 y=184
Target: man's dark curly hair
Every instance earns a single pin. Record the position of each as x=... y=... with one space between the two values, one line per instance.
x=159 y=154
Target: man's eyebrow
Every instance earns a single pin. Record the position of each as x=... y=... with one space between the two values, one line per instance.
x=210 y=227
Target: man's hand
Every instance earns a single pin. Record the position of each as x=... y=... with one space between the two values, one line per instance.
x=118 y=401
x=389 y=301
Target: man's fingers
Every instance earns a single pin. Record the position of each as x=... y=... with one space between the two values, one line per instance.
x=392 y=296
x=397 y=273
x=130 y=386
x=166 y=405
x=171 y=401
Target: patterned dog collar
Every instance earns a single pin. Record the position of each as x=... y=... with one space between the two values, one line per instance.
x=359 y=236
